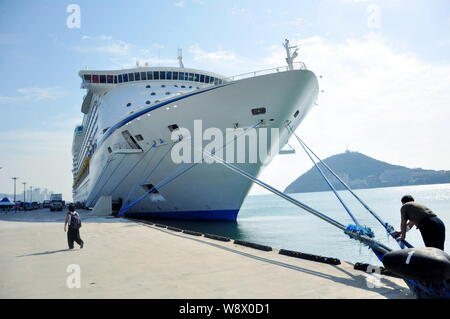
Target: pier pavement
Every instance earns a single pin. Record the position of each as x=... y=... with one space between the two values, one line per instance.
x=128 y=259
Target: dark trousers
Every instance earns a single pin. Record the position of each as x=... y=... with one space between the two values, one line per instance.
x=433 y=232
x=73 y=235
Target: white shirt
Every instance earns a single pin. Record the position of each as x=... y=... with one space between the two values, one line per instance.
x=75 y=213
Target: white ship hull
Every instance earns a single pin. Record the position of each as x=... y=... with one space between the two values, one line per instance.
x=206 y=191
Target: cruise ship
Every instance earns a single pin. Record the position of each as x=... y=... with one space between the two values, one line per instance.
x=123 y=149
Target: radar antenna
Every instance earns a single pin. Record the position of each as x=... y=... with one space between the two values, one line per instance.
x=290 y=56
x=180 y=57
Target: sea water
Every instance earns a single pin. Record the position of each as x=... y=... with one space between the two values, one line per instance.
x=270 y=220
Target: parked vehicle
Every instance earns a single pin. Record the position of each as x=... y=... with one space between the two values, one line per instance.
x=46 y=204
x=56 y=202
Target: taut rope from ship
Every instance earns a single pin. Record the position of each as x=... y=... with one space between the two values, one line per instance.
x=177 y=174
x=438 y=289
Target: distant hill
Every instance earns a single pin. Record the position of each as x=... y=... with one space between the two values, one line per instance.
x=361 y=171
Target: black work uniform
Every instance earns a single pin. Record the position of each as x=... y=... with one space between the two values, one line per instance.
x=73 y=234
x=430 y=226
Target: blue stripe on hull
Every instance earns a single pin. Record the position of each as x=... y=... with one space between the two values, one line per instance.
x=194 y=215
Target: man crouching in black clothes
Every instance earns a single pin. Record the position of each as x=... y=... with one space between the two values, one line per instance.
x=431 y=227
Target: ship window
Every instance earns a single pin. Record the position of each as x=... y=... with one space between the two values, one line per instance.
x=156 y=75
x=157 y=101
x=163 y=86
x=202 y=78
x=175 y=75
x=149 y=75
x=139 y=137
x=125 y=77
x=128 y=104
x=87 y=78
x=216 y=81
x=162 y=75
x=167 y=93
x=190 y=87
x=131 y=76
x=175 y=85
x=102 y=78
x=110 y=78
x=153 y=93
x=143 y=75
x=197 y=77
x=130 y=140
x=296 y=113
x=147 y=102
x=259 y=110
x=191 y=77
x=148 y=86
x=183 y=87
x=115 y=79
x=137 y=76
x=169 y=76
x=149 y=187
x=181 y=76
x=173 y=127
x=95 y=79
x=109 y=149
x=211 y=79
x=207 y=79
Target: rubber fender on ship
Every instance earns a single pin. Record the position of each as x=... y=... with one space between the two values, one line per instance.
x=424 y=264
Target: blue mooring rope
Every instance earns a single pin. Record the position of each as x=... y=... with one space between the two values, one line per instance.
x=438 y=289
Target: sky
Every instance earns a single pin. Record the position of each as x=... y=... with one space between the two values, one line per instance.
x=384 y=70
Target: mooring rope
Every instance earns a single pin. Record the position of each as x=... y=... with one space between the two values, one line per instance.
x=177 y=174
x=329 y=184
x=353 y=234
x=389 y=228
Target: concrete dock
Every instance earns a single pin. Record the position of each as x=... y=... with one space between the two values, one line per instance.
x=128 y=259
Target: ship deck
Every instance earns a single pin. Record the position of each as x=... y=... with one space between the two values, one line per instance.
x=129 y=259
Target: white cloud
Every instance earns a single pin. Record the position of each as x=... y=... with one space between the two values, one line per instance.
x=122 y=54
x=34 y=94
x=294 y=23
x=180 y=4
x=119 y=47
x=219 y=55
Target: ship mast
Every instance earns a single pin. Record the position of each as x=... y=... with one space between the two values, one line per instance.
x=180 y=58
x=290 y=57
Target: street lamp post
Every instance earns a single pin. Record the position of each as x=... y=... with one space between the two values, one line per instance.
x=24 y=192
x=15 y=179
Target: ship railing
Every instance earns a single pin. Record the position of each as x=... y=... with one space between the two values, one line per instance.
x=297 y=66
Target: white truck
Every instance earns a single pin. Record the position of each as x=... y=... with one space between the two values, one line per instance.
x=56 y=202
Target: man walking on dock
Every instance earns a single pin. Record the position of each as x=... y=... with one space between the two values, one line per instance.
x=73 y=233
x=430 y=226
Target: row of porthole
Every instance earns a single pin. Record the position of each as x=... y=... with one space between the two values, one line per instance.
x=153 y=93
x=182 y=86
x=147 y=102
